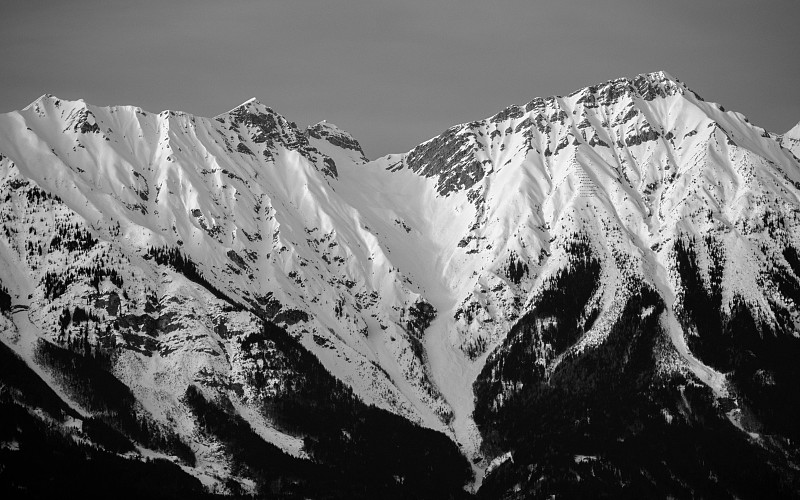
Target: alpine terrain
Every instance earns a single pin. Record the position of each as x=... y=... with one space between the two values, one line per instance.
x=590 y=295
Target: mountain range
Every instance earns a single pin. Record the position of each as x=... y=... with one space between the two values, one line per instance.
x=587 y=295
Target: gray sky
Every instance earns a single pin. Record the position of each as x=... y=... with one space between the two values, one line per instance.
x=394 y=73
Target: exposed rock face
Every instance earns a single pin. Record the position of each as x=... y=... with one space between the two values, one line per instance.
x=581 y=287
x=336 y=137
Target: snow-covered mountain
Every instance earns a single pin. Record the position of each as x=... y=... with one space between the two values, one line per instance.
x=619 y=264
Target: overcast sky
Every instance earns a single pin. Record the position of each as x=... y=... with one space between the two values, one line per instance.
x=394 y=73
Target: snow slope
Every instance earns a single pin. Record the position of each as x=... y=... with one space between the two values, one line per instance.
x=791 y=140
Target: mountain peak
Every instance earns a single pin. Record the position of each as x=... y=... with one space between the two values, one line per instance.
x=50 y=98
x=659 y=75
x=648 y=86
x=336 y=136
x=656 y=84
x=793 y=133
x=325 y=128
x=251 y=106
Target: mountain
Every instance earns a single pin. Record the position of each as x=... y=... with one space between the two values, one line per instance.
x=586 y=295
x=791 y=140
